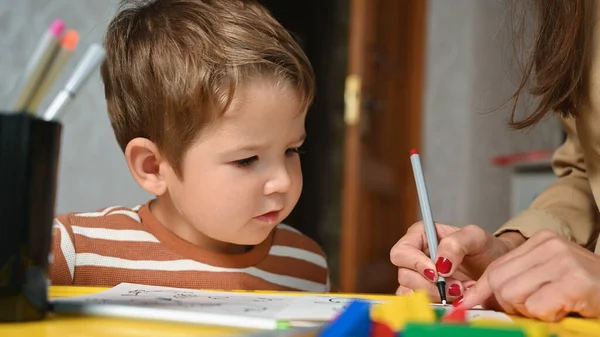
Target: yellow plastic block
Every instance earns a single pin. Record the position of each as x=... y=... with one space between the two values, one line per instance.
x=531 y=328
x=414 y=307
x=588 y=326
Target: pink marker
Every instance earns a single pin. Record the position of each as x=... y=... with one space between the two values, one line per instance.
x=57 y=27
x=38 y=64
x=67 y=47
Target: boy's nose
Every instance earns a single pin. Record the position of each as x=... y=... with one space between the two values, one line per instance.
x=280 y=182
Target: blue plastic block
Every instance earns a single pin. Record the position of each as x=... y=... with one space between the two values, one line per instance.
x=355 y=321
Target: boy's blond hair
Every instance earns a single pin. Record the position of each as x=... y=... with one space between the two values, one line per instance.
x=173 y=65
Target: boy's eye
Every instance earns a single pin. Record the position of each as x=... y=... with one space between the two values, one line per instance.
x=294 y=150
x=246 y=162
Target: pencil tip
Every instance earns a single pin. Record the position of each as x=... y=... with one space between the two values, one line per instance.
x=443 y=302
x=413 y=151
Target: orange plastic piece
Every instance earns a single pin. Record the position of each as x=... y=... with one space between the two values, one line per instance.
x=455 y=316
x=379 y=329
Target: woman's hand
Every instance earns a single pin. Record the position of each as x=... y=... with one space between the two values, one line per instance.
x=463 y=255
x=545 y=278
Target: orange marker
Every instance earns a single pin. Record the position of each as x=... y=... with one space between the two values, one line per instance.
x=67 y=46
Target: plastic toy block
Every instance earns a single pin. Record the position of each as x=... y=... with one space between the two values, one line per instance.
x=437 y=330
x=588 y=326
x=381 y=330
x=439 y=313
x=490 y=322
x=396 y=313
x=537 y=331
x=352 y=322
x=455 y=316
x=531 y=328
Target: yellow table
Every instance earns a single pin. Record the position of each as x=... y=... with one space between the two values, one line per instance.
x=61 y=326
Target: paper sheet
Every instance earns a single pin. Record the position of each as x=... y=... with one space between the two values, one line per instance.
x=231 y=303
x=478 y=312
x=280 y=307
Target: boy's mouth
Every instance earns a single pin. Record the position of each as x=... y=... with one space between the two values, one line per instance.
x=269 y=217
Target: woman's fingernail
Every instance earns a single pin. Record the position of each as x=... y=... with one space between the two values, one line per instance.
x=429 y=274
x=443 y=265
x=454 y=290
x=458 y=301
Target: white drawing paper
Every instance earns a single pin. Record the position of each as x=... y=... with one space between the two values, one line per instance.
x=263 y=305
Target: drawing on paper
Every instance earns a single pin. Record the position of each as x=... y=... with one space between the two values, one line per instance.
x=305 y=307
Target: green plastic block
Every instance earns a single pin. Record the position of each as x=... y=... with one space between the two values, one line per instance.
x=438 y=330
x=439 y=312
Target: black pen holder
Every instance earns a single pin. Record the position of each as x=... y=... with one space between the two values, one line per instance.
x=29 y=152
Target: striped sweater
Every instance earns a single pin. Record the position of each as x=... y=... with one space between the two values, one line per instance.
x=119 y=244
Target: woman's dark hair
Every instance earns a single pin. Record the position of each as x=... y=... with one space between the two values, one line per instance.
x=557 y=58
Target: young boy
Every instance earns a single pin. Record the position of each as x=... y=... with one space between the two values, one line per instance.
x=207 y=99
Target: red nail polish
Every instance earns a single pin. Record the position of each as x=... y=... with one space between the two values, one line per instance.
x=454 y=290
x=458 y=301
x=429 y=274
x=443 y=265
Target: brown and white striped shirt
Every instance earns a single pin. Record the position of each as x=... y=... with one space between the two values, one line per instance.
x=119 y=244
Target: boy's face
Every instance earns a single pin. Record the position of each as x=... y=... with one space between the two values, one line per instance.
x=242 y=177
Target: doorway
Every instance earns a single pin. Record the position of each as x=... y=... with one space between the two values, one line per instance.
x=359 y=195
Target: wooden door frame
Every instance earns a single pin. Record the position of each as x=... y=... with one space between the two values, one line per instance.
x=363 y=15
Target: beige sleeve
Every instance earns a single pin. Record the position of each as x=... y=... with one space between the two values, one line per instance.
x=567 y=206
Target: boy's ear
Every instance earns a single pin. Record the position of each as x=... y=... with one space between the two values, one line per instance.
x=145 y=163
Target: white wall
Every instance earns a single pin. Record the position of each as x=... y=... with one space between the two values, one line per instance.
x=467 y=76
x=92 y=172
